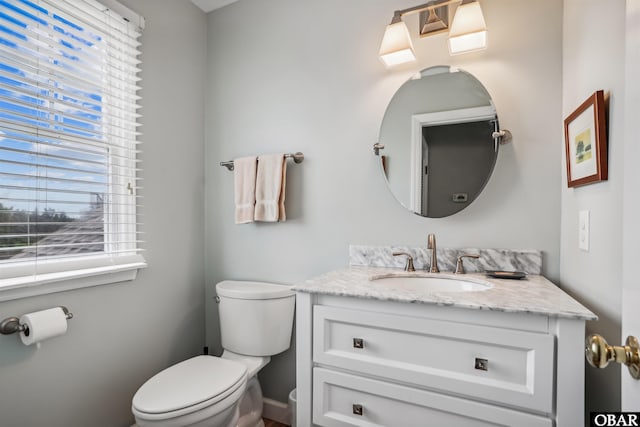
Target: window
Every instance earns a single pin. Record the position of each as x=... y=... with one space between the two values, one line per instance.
x=68 y=146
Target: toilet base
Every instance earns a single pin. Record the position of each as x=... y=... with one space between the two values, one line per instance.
x=250 y=406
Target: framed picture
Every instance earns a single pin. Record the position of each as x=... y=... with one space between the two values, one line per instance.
x=585 y=137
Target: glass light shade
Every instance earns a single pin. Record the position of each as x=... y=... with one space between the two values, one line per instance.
x=396 y=47
x=468 y=29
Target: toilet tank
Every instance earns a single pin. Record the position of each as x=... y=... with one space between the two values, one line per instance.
x=256 y=318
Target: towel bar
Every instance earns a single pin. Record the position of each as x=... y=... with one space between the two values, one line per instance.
x=297 y=157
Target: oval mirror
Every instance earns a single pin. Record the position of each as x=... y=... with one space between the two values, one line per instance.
x=439 y=147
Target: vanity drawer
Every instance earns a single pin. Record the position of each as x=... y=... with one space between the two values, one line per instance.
x=347 y=400
x=510 y=367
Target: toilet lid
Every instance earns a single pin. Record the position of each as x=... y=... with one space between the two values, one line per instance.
x=188 y=383
x=253 y=290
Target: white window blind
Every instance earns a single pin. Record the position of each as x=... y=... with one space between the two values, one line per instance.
x=68 y=139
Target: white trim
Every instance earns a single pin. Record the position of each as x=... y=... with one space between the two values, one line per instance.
x=418 y=121
x=415 y=201
x=463 y=115
x=276 y=411
x=28 y=286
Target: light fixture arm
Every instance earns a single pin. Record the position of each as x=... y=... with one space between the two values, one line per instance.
x=397 y=17
x=434 y=4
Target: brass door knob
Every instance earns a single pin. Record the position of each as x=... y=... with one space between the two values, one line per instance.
x=599 y=353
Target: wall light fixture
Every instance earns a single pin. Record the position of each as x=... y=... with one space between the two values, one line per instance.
x=468 y=30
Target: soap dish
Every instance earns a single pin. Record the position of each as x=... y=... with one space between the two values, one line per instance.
x=506 y=274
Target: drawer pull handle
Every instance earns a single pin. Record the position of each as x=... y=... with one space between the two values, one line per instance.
x=357 y=409
x=358 y=343
x=482 y=364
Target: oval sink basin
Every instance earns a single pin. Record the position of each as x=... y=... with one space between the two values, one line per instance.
x=431 y=283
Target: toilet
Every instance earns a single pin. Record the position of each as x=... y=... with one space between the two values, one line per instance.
x=256 y=320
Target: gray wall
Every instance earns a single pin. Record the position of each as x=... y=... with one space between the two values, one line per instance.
x=122 y=334
x=593 y=59
x=289 y=75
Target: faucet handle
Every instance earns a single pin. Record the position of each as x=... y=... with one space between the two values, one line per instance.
x=409 y=265
x=460 y=266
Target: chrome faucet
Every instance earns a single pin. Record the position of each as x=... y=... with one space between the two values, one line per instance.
x=431 y=244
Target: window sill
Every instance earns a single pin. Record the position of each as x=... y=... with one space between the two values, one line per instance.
x=41 y=284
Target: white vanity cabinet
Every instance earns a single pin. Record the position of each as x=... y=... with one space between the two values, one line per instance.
x=374 y=362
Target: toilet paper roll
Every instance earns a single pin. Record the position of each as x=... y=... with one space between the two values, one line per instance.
x=42 y=325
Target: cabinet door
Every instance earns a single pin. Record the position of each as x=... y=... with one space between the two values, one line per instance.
x=342 y=400
x=505 y=366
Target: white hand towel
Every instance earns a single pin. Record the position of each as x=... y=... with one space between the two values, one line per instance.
x=270 y=188
x=244 y=173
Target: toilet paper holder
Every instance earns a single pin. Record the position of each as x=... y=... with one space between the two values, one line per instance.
x=11 y=325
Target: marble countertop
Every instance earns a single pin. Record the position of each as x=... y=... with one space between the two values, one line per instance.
x=534 y=294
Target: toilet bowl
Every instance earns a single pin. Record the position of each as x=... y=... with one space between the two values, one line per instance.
x=256 y=321
x=199 y=389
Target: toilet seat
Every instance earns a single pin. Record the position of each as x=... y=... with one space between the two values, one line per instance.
x=190 y=386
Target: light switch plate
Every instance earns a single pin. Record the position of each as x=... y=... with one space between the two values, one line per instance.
x=583 y=230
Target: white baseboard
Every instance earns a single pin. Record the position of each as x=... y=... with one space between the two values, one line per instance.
x=276 y=411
